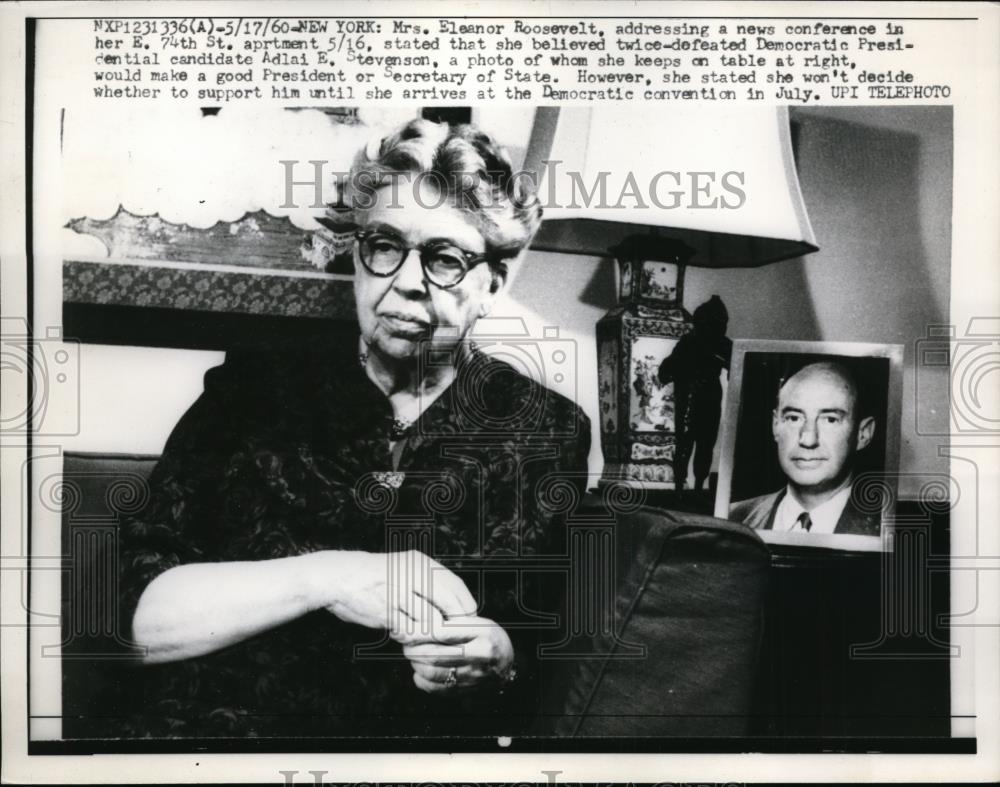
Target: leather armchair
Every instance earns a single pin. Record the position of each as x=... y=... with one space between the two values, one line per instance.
x=678 y=655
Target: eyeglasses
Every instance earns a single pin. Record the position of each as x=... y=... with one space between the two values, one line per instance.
x=444 y=264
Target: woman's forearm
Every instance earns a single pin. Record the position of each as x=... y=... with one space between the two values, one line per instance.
x=199 y=608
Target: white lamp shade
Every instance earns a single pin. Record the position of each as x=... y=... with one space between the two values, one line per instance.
x=722 y=180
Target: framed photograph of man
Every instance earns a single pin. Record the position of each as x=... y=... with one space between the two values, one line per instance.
x=810 y=448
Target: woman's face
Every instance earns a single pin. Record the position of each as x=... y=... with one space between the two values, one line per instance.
x=399 y=312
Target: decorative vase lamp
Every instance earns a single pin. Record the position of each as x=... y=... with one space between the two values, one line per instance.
x=701 y=187
x=333 y=242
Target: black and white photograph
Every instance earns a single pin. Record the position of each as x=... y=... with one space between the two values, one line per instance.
x=389 y=383
x=381 y=481
x=833 y=466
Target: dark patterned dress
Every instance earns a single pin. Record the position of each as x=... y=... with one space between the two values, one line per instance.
x=285 y=453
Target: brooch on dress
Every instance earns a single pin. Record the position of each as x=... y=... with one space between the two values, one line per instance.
x=392 y=479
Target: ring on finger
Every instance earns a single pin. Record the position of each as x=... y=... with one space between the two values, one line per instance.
x=452 y=680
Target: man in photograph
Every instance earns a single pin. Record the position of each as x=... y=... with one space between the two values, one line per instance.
x=819 y=428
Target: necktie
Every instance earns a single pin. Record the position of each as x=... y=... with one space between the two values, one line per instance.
x=804 y=521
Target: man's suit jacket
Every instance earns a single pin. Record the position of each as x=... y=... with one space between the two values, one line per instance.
x=758 y=513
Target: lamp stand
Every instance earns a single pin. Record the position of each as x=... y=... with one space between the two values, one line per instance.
x=638 y=433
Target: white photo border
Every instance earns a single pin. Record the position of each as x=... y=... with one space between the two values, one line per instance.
x=976 y=676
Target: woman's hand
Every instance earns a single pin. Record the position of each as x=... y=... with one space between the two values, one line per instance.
x=407 y=593
x=199 y=608
x=471 y=649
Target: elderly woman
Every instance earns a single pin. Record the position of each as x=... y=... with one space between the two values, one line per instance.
x=344 y=539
